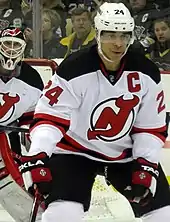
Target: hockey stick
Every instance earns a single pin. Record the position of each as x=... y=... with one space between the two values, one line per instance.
x=35 y=206
x=13 y=129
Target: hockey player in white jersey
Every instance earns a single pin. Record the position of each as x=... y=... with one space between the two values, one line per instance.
x=20 y=88
x=103 y=108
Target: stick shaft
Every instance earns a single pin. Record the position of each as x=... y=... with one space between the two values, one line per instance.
x=35 y=206
x=13 y=129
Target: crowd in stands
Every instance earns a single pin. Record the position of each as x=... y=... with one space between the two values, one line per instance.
x=67 y=26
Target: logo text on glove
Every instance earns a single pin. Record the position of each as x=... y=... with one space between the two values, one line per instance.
x=150 y=169
x=30 y=164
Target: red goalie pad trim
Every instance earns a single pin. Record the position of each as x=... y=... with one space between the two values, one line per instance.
x=9 y=162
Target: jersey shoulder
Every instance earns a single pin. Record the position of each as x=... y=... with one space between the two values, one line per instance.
x=79 y=63
x=30 y=76
x=138 y=62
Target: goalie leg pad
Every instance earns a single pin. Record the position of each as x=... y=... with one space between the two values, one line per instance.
x=15 y=200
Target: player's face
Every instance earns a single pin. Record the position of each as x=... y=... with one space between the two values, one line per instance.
x=114 y=44
x=162 y=31
x=82 y=23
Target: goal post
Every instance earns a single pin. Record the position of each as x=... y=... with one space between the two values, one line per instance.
x=45 y=67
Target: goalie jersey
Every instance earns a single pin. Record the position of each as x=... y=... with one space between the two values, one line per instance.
x=103 y=115
x=19 y=96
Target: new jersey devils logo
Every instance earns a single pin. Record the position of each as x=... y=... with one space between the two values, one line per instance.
x=7 y=107
x=112 y=119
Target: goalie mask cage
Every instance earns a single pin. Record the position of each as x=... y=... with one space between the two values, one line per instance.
x=107 y=205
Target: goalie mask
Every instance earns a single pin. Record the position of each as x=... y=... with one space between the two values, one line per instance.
x=12 y=47
x=113 y=17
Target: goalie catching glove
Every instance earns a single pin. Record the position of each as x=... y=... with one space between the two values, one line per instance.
x=144 y=182
x=34 y=171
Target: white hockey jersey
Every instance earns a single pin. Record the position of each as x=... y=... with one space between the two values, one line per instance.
x=18 y=97
x=106 y=116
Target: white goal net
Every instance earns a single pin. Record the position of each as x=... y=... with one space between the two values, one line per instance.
x=107 y=205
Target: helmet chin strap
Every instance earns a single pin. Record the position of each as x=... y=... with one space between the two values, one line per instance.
x=106 y=58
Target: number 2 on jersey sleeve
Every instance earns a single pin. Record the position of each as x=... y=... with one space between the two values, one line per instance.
x=160 y=99
x=53 y=94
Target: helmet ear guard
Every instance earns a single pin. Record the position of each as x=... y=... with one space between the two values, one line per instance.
x=132 y=39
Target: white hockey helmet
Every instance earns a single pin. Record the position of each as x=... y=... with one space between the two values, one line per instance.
x=114 y=17
x=12 y=47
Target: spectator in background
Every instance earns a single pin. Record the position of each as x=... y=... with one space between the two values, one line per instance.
x=55 y=5
x=118 y=1
x=163 y=3
x=10 y=16
x=16 y=4
x=59 y=7
x=83 y=35
x=25 y=7
x=159 y=52
x=50 y=22
x=73 y=4
x=144 y=13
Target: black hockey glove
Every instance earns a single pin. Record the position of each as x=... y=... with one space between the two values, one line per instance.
x=34 y=171
x=144 y=182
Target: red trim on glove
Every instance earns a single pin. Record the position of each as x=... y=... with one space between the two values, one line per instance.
x=142 y=178
x=41 y=174
x=41 y=155
x=147 y=163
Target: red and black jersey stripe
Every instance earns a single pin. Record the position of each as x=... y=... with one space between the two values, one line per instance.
x=69 y=144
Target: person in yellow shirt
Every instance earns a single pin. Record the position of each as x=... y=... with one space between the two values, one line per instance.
x=83 y=35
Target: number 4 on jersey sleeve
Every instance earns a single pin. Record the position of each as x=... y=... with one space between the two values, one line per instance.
x=53 y=93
